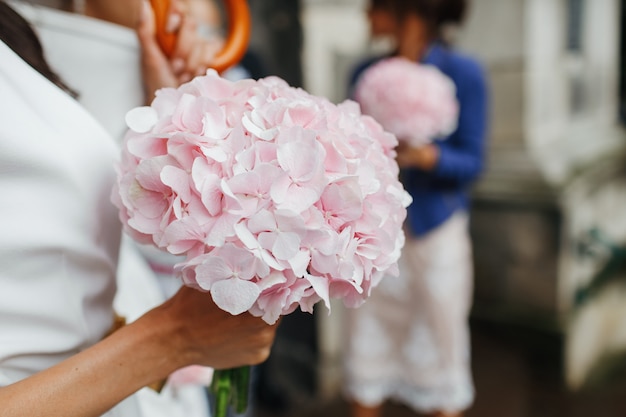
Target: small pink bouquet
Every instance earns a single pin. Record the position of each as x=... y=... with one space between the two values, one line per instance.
x=276 y=198
x=415 y=102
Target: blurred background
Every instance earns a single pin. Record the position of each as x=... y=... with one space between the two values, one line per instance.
x=548 y=219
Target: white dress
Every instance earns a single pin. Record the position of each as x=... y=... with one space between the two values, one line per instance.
x=410 y=340
x=79 y=49
x=60 y=233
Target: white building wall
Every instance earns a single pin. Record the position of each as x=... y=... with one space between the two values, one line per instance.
x=555 y=142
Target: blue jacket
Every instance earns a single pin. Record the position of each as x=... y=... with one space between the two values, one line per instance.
x=440 y=193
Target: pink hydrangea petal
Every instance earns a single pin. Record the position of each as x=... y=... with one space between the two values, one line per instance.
x=321 y=286
x=348 y=292
x=149 y=203
x=267 y=239
x=271 y=306
x=298 y=199
x=215 y=153
x=145 y=225
x=146 y=146
x=300 y=158
x=321 y=240
x=262 y=221
x=235 y=295
x=220 y=229
x=299 y=263
x=303 y=115
x=214 y=121
x=178 y=180
x=280 y=189
x=148 y=174
x=286 y=246
x=191 y=375
x=242 y=262
x=245 y=236
x=141 y=119
x=189 y=115
x=212 y=270
x=258 y=131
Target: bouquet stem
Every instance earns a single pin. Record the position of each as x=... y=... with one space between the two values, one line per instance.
x=230 y=387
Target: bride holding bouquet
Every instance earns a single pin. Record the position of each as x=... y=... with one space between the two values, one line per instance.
x=212 y=170
x=58 y=255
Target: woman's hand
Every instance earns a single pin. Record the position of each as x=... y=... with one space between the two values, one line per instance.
x=192 y=54
x=424 y=157
x=187 y=329
x=203 y=334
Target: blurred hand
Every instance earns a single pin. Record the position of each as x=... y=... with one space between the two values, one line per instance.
x=424 y=157
x=156 y=69
x=192 y=54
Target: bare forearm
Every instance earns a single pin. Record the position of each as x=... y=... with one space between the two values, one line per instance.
x=187 y=329
x=93 y=381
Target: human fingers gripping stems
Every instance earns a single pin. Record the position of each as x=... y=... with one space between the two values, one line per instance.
x=212 y=337
x=188 y=329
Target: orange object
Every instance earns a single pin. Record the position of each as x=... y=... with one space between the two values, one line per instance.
x=167 y=40
x=236 y=43
x=238 y=35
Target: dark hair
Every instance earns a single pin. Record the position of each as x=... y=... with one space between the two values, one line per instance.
x=453 y=11
x=18 y=35
x=436 y=12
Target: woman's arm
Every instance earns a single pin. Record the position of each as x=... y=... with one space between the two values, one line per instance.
x=461 y=157
x=187 y=329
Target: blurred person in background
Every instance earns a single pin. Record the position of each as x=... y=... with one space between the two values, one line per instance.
x=410 y=341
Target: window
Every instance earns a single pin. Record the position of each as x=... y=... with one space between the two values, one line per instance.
x=575 y=10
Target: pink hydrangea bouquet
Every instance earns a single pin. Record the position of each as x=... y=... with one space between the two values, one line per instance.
x=277 y=199
x=416 y=102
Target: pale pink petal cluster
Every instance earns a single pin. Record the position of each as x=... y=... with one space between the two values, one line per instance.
x=416 y=102
x=191 y=375
x=277 y=198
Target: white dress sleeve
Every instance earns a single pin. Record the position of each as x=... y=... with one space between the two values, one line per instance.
x=60 y=233
x=83 y=49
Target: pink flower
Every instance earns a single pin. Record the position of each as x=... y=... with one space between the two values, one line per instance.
x=191 y=375
x=277 y=199
x=416 y=102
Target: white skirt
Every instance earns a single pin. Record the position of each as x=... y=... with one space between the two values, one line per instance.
x=410 y=341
